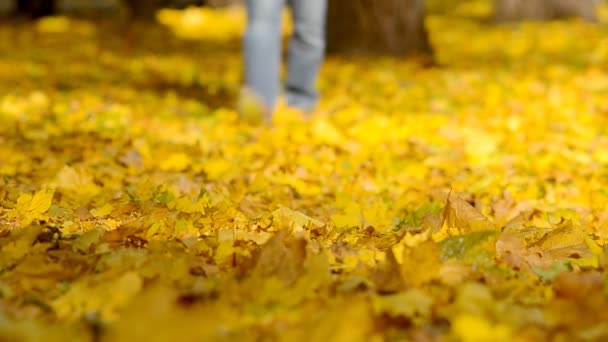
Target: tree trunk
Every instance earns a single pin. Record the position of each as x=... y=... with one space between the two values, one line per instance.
x=142 y=9
x=391 y=27
x=514 y=10
x=35 y=8
x=221 y=3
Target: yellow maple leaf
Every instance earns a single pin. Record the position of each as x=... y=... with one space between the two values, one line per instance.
x=107 y=297
x=32 y=207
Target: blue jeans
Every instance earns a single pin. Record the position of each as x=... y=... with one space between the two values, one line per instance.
x=262 y=49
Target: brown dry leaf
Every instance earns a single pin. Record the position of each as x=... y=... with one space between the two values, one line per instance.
x=565 y=235
x=511 y=250
x=460 y=215
x=579 y=305
x=388 y=277
x=281 y=257
x=506 y=212
x=578 y=285
x=454 y=272
x=565 y=241
x=431 y=222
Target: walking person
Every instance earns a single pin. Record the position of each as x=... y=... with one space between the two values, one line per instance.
x=262 y=51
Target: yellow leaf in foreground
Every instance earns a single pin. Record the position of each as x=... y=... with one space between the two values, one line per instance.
x=155 y=315
x=413 y=304
x=22 y=240
x=107 y=297
x=470 y=328
x=421 y=263
x=344 y=322
x=31 y=207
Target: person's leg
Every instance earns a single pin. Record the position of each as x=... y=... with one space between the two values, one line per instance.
x=306 y=52
x=262 y=49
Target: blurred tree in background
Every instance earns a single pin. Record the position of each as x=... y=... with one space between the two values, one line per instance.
x=393 y=27
x=138 y=9
x=36 y=8
x=142 y=9
x=509 y=10
x=390 y=27
x=396 y=27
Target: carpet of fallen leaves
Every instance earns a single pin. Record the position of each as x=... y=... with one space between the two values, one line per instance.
x=466 y=201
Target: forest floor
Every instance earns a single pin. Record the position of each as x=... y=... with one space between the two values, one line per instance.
x=464 y=201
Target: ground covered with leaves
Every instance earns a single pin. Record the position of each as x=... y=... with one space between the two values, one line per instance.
x=465 y=201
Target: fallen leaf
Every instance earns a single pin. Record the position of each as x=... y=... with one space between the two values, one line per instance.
x=32 y=207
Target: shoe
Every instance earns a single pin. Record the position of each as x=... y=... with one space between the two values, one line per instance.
x=252 y=109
